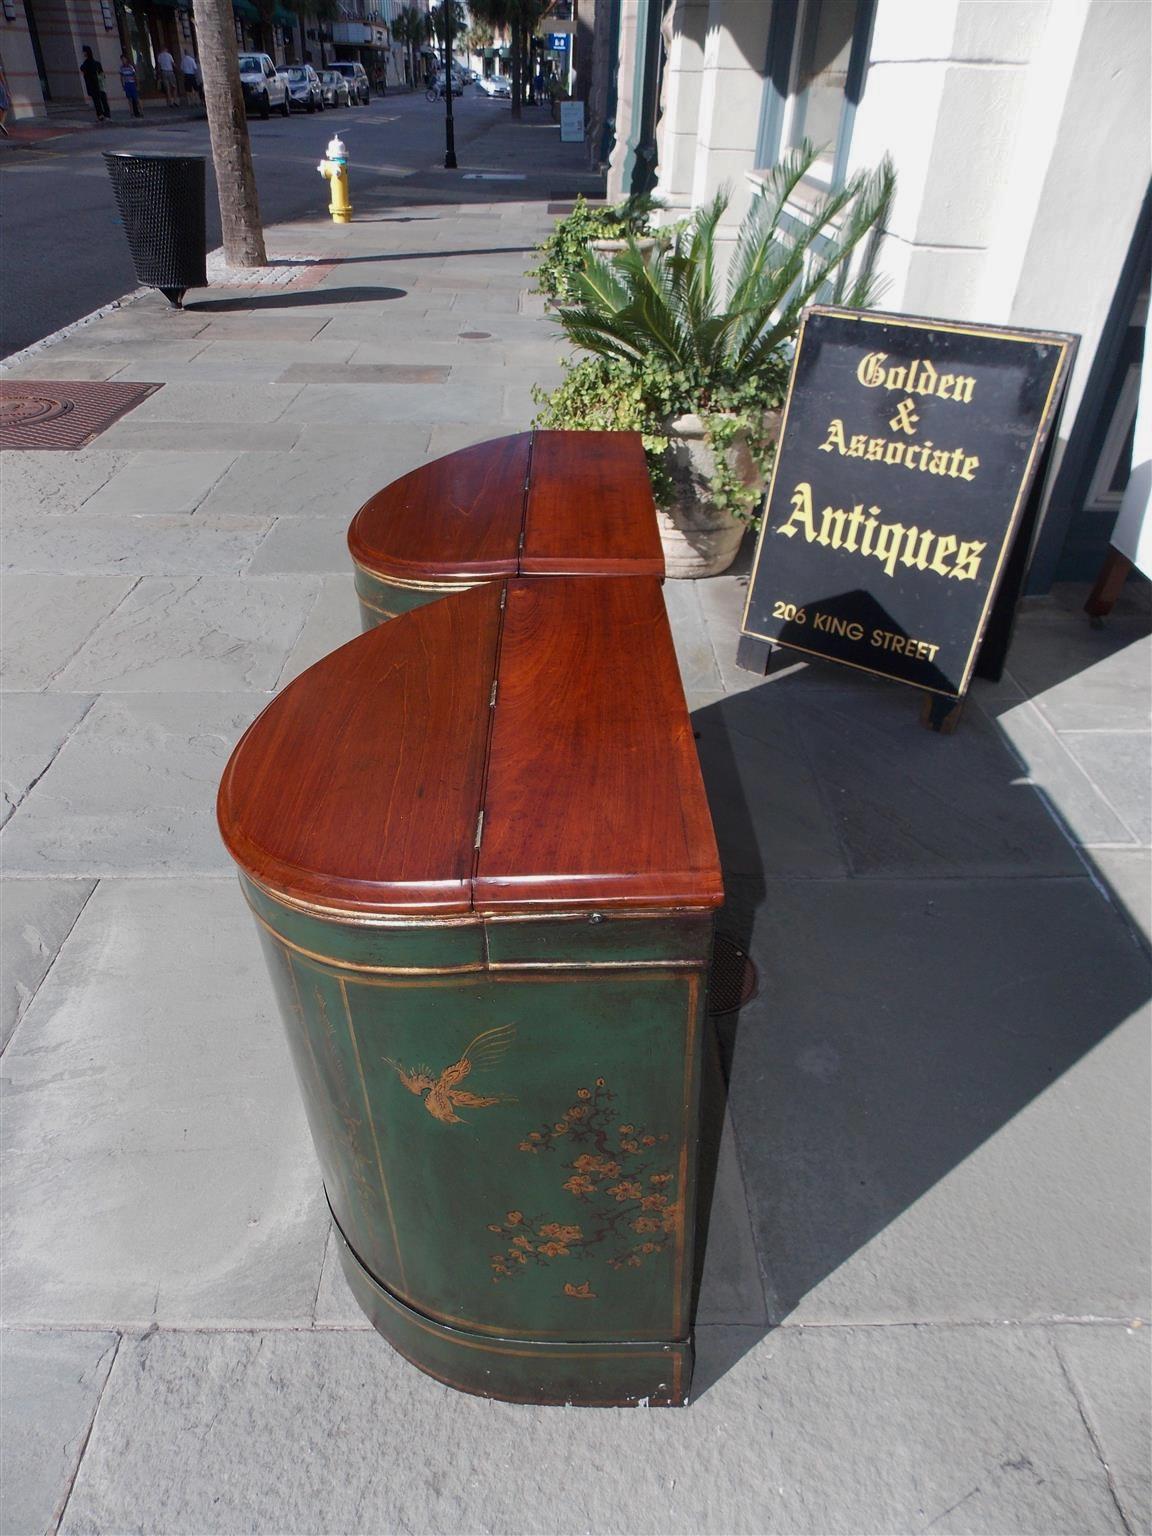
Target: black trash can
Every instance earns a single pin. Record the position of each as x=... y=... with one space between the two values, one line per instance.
x=161 y=202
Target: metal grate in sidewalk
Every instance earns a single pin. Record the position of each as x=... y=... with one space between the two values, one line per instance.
x=732 y=980
x=62 y=414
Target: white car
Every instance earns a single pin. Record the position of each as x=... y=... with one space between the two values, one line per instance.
x=263 y=88
x=496 y=85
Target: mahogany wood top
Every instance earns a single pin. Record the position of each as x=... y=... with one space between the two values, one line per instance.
x=590 y=509
x=359 y=787
x=594 y=795
x=457 y=518
x=541 y=503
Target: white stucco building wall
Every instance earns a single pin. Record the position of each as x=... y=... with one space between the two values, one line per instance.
x=1019 y=130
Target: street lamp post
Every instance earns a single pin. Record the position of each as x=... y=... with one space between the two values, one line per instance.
x=449 y=125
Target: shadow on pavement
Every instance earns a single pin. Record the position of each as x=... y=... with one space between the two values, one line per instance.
x=309 y=298
x=931 y=961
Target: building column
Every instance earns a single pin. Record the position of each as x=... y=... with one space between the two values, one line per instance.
x=629 y=95
x=731 y=92
x=685 y=29
x=25 y=95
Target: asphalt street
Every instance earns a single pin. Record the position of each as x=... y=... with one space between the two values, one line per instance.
x=61 y=244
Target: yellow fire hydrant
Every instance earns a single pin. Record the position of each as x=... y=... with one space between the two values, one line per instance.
x=334 y=169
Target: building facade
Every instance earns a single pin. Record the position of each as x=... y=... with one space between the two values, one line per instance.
x=1019 y=132
x=41 y=41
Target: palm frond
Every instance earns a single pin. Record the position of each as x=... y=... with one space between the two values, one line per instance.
x=665 y=306
x=598 y=286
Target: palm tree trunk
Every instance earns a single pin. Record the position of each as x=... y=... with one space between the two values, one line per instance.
x=517 y=68
x=228 y=128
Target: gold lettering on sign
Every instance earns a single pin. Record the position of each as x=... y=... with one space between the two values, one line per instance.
x=919 y=377
x=924 y=457
x=918 y=548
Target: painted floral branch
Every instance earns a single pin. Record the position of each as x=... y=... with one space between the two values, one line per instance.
x=617 y=1172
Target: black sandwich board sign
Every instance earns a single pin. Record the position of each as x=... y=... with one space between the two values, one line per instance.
x=904 y=493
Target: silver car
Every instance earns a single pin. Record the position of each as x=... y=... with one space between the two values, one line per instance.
x=335 y=88
x=305 y=92
x=357 y=78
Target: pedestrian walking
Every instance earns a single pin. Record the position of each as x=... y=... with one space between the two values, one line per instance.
x=166 y=66
x=191 y=72
x=5 y=104
x=129 y=82
x=93 y=72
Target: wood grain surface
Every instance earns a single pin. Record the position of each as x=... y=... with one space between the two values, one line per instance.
x=590 y=509
x=360 y=785
x=594 y=796
x=458 y=517
x=540 y=503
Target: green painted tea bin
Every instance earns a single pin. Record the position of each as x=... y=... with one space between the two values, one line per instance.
x=499 y=1048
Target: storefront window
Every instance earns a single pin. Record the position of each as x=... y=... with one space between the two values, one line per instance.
x=814 y=78
x=820 y=77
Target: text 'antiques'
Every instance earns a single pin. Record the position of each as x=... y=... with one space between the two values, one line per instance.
x=907 y=453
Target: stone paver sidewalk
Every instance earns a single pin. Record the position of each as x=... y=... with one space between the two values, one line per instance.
x=925 y=1302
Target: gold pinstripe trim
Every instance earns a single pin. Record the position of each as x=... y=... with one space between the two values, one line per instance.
x=375 y=1140
x=414 y=584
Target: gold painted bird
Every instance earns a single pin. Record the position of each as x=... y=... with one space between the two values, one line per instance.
x=443 y=1092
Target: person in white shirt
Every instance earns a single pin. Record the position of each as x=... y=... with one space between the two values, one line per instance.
x=166 y=68
x=191 y=72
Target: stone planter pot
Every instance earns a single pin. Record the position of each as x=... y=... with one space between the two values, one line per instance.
x=606 y=249
x=700 y=539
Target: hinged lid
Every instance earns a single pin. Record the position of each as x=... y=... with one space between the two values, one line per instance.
x=541 y=503
x=455 y=519
x=590 y=509
x=385 y=779
x=594 y=796
x=359 y=787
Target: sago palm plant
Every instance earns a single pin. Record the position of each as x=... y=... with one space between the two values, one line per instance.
x=669 y=306
x=669 y=337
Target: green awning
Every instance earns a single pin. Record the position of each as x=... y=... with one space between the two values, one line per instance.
x=283 y=18
x=246 y=9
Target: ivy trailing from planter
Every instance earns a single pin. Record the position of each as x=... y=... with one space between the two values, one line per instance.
x=601 y=394
x=666 y=341
x=562 y=253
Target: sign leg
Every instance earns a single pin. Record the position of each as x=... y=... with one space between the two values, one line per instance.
x=1113 y=575
x=754 y=655
x=938 y=713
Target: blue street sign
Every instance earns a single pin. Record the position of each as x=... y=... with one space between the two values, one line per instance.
x=558 y=42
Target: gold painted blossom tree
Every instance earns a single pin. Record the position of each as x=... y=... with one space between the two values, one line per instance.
x=617 y=1172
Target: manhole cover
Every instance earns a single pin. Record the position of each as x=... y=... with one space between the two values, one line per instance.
x=732 y=981
x=475 y=335
x=27 y=410
x=62 y=414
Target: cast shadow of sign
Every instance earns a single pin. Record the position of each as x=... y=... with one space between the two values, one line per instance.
x=932 y=960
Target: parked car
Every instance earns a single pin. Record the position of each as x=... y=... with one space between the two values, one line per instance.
x=305 y=92
x=335 y=88
x=263 y=88
x=438 y=86
x=496 y=85
x=357 y=78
